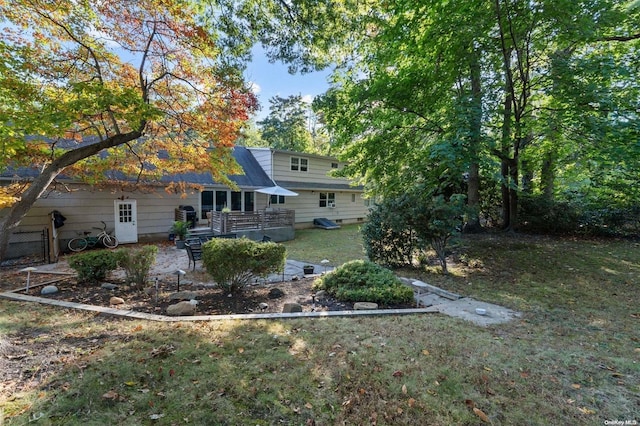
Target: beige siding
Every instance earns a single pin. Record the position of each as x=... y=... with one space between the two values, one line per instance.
x=306 y=205
x=318 y=169
x=85 y=208
x=263 y=157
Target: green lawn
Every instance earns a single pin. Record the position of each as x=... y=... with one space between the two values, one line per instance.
x=573 y=357
x=336 y=245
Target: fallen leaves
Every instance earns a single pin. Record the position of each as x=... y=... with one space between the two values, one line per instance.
x=162 y=351
x=478 y=412
x=112 y=396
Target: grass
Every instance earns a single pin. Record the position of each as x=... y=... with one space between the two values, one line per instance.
x=573 y=357
x=336 y=245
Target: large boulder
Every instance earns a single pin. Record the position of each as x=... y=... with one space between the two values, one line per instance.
x=116 y=301
x=181 y=309
x=49 y=289
x=291 y=307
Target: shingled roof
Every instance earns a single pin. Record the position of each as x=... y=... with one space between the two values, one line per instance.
x=254 y=176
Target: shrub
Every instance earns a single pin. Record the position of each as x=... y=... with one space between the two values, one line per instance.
x=137 y=263
x=93 y=266
x=232 y=263
x=363 y=281
x=414 y=220
x=387 y=239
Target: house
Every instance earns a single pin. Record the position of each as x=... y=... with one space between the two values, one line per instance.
x=147 y=215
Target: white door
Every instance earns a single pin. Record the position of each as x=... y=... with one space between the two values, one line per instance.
x=126 y=221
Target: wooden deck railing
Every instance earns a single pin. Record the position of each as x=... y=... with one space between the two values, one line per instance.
x=242 y=221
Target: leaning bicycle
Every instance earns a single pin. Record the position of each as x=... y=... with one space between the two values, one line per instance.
x=103 y=238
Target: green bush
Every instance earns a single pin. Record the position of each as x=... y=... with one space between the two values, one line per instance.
x=387 y=239
x=232 y=263
x=93 y=266
x=363 y=281
x=137 y=263
x=413 y=221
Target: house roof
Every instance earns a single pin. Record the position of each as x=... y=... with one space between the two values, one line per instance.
x=254 y=176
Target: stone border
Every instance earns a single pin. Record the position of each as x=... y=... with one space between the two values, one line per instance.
x=163 y=318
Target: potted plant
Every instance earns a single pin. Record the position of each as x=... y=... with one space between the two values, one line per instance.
x=180 y=229
x=307 y=269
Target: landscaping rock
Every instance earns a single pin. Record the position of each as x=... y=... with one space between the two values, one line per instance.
x=183 y=295
x=291 y=307
x=50 y=289
x=116 y=301
x=275 y=293
x=320 y=295
x=365 y=306
x=109 y=286
x=181 y=309
x=263 y=306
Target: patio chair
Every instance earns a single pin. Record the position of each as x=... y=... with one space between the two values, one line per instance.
x=194 y=251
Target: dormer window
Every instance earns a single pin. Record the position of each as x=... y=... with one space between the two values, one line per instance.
x=299 y=164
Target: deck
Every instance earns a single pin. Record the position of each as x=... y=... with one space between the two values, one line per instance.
x=229 y=222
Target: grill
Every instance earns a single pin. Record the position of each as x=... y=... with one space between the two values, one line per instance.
x=187 y=214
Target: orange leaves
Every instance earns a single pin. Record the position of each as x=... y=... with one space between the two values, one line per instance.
x=478 y=412
x=152 y=69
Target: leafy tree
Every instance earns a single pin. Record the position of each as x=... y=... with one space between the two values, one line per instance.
x=441 y=90
x=286 y=126
x=84 y=78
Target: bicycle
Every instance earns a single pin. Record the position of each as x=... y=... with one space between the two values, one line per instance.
x=103 y=238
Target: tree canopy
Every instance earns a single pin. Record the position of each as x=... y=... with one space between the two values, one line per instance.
x=503 y=98
x=128 y=79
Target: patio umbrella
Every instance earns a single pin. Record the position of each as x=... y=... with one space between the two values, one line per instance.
x=277 y=190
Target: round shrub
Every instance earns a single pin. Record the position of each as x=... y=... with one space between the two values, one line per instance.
x=232 y=263
x=137 y=263
x=93 y=266
x=363 y=281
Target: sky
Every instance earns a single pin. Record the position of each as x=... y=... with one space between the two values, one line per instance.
x=269 y=80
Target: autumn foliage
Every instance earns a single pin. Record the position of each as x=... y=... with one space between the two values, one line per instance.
x=123 y=92
x=88 y=71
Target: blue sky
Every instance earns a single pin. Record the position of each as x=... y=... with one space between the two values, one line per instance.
x=269 y=80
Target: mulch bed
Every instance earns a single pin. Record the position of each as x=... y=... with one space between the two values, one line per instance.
x=255 y=298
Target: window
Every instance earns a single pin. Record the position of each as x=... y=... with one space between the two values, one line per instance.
x=249 y=203
x=277 y=199
x=236 y=201
x=353 y=198
x=299 y=164
x=334 y=165
x=206 y=203
x=221 y=200
x=327 y=199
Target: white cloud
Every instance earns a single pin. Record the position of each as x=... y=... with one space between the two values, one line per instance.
x=255 y=87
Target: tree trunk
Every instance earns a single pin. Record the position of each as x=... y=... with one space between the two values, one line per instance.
x=513 y=193
x=505 y=161
x=548 y=176
x=473 y=183
x=42 y=182
x=473 y=199
x=504 y=189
